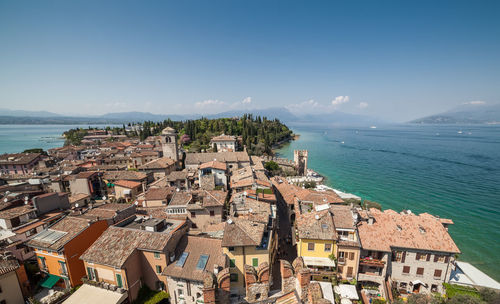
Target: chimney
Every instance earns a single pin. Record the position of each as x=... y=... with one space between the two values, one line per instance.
x=370 y=220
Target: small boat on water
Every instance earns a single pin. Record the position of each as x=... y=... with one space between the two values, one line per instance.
x=373 y=127
x=460 y=132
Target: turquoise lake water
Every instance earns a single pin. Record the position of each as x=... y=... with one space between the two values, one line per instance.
x=17 y=138
x=450 y=171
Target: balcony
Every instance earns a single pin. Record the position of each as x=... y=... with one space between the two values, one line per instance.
x=341 y=261
x=369 y=261
x=63 y=272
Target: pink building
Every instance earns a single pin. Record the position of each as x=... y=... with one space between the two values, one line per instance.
x=19 y=163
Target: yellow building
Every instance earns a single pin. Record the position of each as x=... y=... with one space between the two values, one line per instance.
x=246 y=242
x=316 y=243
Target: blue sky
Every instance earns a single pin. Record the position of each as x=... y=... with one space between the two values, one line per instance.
x=390 y=59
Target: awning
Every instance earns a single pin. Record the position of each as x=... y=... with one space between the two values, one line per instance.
x=50 y=280
x=321 y=262
x=347 y=291
x=87 y=294
x=416 y=282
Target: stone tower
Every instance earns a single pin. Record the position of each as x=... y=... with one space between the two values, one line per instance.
x=300 y=159
x=169 y=143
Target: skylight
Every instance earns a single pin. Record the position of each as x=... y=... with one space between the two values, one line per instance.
x=182 y=259
x=202 y=262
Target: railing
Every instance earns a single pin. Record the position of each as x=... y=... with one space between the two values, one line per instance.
x=341 y=261
x=63 y=272
x=371 y=262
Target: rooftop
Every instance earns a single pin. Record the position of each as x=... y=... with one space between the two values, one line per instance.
x=60 y=233
x=404 y=230
x=116 y=244
x=18 y=158
x=242 y=232
x=195 y=254
x=200 y=158
x=159 y=163
x=316 y=225
x=127 y=184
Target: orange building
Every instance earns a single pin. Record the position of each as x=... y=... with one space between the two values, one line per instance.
x=58 y=249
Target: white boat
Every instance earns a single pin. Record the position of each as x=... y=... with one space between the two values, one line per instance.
x=373 y=127
x=460 y=132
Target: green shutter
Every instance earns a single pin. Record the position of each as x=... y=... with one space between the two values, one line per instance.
x=158 y=269
x=90 y=273
x=119 y=280
x=255 y=262
x=232 y=263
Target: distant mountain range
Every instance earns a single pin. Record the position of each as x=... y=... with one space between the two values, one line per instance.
x=282 y=113
x=470 y=113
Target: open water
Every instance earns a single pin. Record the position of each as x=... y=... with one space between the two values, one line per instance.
x=446 y=170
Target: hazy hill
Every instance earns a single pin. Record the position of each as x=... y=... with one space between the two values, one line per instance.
x=471 y=113
x=282 y=113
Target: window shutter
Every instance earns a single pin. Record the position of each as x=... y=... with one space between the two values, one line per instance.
x=428 y=257
x=404 y=257
x=417 y=256
x=447 y=259
x=437 y=273
x=393 y=258
x=436 y=258
x=351 y=256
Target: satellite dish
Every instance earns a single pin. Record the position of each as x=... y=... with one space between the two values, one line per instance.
x=26 y=202
x=5 y=199
x=26 y=198
x=104 y=197
x=76 y=205
x=177 y=189
x=229 y=221
x=245 y=193
x=316 y=217
x=136 y=203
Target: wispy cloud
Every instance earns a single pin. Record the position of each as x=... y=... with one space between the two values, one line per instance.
x=247 y=100
x=208 y=103
x=476 y=102
x=306 y=106
x=363 y=105
x=340 y=100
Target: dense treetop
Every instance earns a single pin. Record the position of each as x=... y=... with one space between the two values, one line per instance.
x=258 y=134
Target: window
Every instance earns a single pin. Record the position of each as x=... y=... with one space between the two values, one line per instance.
x=439 y=258
x=232 y=263
x=351 y=256
x=182 y=259
x=0 y=289
x=341 y=257
x=231 y=248
x=403 y=284
x=340 y=269
x=202 y=262
x=406 y=269
x=119 y=282
x=349 y=272
x=255 y=262
x=437 y=273
x=193 y=214
x=434 y=288
x=158 y=269
x=91 y=273
x=420 y=271
x=180 y=292
x=212 y=213
x=233 y=277
x=157 y=255
x=310 y=246
x=328 y=247
x=422 y=257
x=42 y=263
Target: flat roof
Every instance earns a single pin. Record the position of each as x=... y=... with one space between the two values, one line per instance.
x=91 y=294
x=466 y=274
